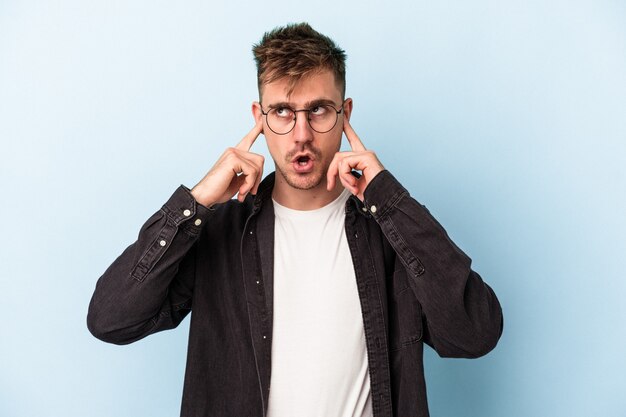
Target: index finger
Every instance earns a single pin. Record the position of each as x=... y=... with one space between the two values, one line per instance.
x=353 y=138
x=248 y=140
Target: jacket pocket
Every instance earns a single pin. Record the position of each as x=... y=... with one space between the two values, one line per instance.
x=405 y=314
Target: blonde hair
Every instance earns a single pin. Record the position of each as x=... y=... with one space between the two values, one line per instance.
x=296 y=51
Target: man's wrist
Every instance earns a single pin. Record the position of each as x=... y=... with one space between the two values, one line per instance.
x=200 y=198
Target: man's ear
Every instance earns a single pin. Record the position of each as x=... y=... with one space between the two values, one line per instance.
x=256 y=112
x=347 y=108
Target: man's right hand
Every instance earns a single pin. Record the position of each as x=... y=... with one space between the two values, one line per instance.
x=237 y=171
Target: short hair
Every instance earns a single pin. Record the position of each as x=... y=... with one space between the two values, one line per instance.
x=295 y=51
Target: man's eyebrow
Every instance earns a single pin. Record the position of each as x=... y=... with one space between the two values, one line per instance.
x=307 y=105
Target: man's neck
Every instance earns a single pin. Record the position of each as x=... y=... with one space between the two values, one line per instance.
x=311 y=199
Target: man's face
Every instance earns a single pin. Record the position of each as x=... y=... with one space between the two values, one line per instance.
x=303 y=155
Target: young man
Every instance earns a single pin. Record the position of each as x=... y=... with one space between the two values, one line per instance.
x=312 y=292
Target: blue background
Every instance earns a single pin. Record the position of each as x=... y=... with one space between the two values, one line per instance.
x=506 y=118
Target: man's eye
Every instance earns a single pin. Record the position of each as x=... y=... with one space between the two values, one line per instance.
x=318 y=110
x=285 y=112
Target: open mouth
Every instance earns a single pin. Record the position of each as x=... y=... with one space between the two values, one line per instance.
x=303 y=160
x=303 y=164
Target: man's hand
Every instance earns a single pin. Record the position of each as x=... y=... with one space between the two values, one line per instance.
x=359 y=159
x=237 y=171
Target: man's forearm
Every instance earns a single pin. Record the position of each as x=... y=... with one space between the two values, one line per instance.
x=148 y=287
x=463 y=315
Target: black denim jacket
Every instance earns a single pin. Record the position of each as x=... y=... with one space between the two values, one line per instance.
x=414 y=285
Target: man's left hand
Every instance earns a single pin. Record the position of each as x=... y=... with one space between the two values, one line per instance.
x=359 y=159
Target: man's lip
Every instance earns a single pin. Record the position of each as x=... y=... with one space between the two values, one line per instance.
x=303 y=155
x=303 y=169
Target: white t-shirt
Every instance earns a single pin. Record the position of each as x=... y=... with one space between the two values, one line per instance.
x=319 y=357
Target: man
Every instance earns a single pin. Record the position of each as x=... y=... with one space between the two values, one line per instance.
x=312 y=292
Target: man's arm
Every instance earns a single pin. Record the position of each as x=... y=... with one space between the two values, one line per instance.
x=462 y=315
x=149 y=287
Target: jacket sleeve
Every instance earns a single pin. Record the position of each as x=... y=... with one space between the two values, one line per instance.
x=149 y=287
x=461 y=314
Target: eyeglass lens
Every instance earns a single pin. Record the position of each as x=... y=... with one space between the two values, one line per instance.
x=321 y=118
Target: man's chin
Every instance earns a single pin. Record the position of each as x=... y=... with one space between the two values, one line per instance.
x=306 y=183
x=303 y=181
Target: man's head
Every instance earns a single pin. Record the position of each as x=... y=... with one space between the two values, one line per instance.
x=301 y=74
x=295 y=51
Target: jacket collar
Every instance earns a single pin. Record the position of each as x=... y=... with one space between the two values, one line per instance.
x=264 y=193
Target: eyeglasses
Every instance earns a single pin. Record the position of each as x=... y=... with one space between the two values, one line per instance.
x=321 y=118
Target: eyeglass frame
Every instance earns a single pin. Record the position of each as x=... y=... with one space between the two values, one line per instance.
x=295 y=117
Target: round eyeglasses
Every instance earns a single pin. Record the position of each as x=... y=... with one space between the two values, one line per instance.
x=322 y=118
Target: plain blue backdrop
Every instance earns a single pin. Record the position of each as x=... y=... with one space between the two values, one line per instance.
x=507 y=119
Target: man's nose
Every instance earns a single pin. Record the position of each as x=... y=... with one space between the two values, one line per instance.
x=302 y=131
